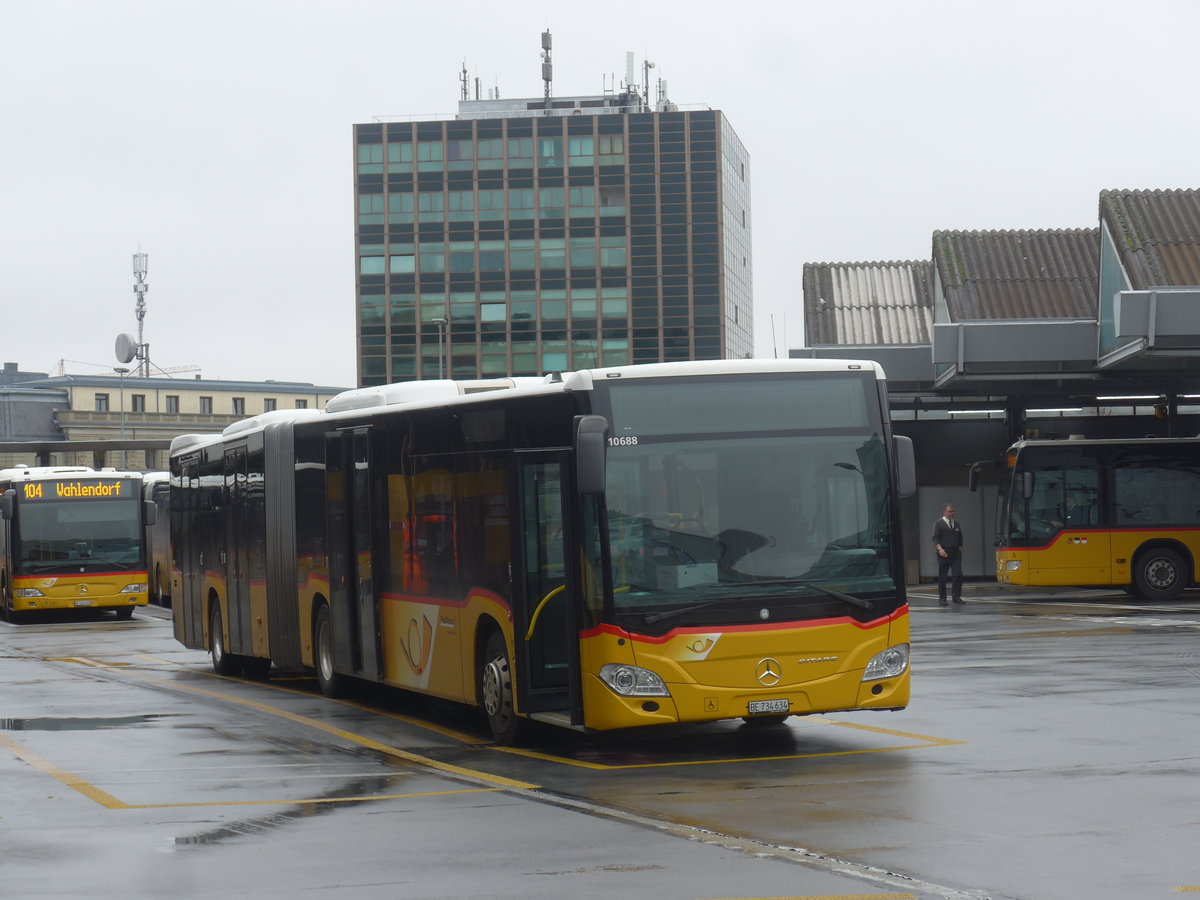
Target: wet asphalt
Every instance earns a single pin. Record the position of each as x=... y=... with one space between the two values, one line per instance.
x=1051 y=750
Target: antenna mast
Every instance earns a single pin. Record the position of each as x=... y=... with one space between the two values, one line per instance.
x=140 y=267
x=547 y=69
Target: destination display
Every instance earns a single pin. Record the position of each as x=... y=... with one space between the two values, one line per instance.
x=78 y=489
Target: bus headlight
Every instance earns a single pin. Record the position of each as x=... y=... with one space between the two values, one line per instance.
x=630 y=681
x=1012 y=565
x=134 y=588
x=891 y=662
x=25 y=593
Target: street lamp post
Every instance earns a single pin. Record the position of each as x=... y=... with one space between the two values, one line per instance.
x=121 y=373
x=441 y=324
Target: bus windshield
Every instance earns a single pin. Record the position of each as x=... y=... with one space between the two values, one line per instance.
x=59 y=536
x=1050 y=490
x=778 y=502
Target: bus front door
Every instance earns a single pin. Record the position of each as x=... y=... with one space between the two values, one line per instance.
x=354 y=609
x=187 y=557
x=545 y=592
x=237 y=542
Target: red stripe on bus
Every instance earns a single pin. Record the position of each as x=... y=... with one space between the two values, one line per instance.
x=730 y=629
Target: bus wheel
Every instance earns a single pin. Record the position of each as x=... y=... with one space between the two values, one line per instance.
x=329 y=680
x=224 y=662
x=124 y=612
x=1160 y=574
x=496 y=691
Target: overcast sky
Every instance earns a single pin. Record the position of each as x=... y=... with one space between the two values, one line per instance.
x=216 y=136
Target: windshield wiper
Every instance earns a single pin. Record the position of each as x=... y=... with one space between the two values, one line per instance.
x=829 y=592
x=651 y=618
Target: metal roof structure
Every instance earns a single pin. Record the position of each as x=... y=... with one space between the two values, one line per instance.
x=1157 y=235
x=1028 y=318
x=868 y=303
x=1018 y=274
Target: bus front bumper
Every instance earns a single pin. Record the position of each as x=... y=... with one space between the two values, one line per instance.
x=606 y=710
x=33 y=594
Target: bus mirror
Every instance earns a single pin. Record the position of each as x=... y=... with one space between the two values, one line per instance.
x=973 y=474
x=591 y=444
x=150 y=511
x=6 y=503
x=1027 y=485
x=906 y=465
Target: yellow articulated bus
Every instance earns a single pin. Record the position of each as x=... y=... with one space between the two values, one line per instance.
x=73 y=538
x=1100 y=513
x=601 y=549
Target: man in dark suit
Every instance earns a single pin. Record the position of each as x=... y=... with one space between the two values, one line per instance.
x=948 y=540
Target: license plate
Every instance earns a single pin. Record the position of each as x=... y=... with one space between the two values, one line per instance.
x=768 y=706
x=83 y=602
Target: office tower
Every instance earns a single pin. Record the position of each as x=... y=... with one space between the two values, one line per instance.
x=529 y=236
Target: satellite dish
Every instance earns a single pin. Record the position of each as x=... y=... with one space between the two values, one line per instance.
x=126 y=348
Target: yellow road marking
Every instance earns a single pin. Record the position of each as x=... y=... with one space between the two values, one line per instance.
x=311 y=802
x=359 y=739
x=108 y=801
x=451 y=733
x=926 y=742
x=942 y=742
x=84 y=661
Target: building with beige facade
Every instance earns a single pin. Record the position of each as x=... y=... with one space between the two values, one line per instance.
x=137 y=416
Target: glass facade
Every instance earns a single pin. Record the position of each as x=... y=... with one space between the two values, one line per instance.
x=523 y=244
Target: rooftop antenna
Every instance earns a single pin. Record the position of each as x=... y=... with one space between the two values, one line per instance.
x=547 y=68
x=646 y=67
x=465 y=81
x=140 y=267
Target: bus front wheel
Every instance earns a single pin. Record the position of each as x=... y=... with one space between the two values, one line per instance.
x=328 y=679
x=1160 y=574
x=496 y=691
x=224 y=662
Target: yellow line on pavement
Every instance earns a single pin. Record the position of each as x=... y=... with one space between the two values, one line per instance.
x=361 y=740
x=451 y=733
x=108 y=801
x=310 y=802
x=942 y=742
x=19 y=750
x=927 y=741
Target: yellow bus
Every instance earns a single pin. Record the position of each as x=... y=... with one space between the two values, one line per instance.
x=73 y=538
x=157 y=491
x=601 y=549
x=1100 y=513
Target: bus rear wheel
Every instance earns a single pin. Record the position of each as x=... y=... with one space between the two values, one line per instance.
x=1160 y=574
x=328 y=679
x=224 y=662
x=496 y=691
